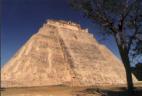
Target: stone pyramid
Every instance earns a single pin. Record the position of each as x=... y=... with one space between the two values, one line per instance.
x=62 y=52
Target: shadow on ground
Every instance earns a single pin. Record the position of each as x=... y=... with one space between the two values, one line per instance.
x=122 y=91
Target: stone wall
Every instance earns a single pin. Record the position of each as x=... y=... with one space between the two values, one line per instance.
x=62 y=52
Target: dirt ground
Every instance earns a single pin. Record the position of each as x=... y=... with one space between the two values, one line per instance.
x=72 y=91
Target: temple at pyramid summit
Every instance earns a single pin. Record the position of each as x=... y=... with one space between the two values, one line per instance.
x=61 y=52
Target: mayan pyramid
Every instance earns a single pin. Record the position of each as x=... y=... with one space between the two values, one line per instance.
x=61 y=52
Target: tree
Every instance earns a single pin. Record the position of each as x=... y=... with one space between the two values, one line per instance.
x=123 y=20
x=138 y=71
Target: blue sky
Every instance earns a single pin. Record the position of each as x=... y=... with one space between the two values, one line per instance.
x=20 y=19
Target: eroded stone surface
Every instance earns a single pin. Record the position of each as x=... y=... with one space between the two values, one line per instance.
x=62 y=53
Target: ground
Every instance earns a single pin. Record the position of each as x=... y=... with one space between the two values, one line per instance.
x=61 y=90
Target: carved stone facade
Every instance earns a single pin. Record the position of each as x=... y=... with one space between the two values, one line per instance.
x=62 y=53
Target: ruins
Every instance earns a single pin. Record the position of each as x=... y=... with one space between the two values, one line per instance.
x=61 y=52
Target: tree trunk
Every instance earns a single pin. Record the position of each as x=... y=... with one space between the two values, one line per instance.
x=126 y=62
x=125 y=59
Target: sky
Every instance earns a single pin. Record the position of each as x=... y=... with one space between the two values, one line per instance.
x=20 y=19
